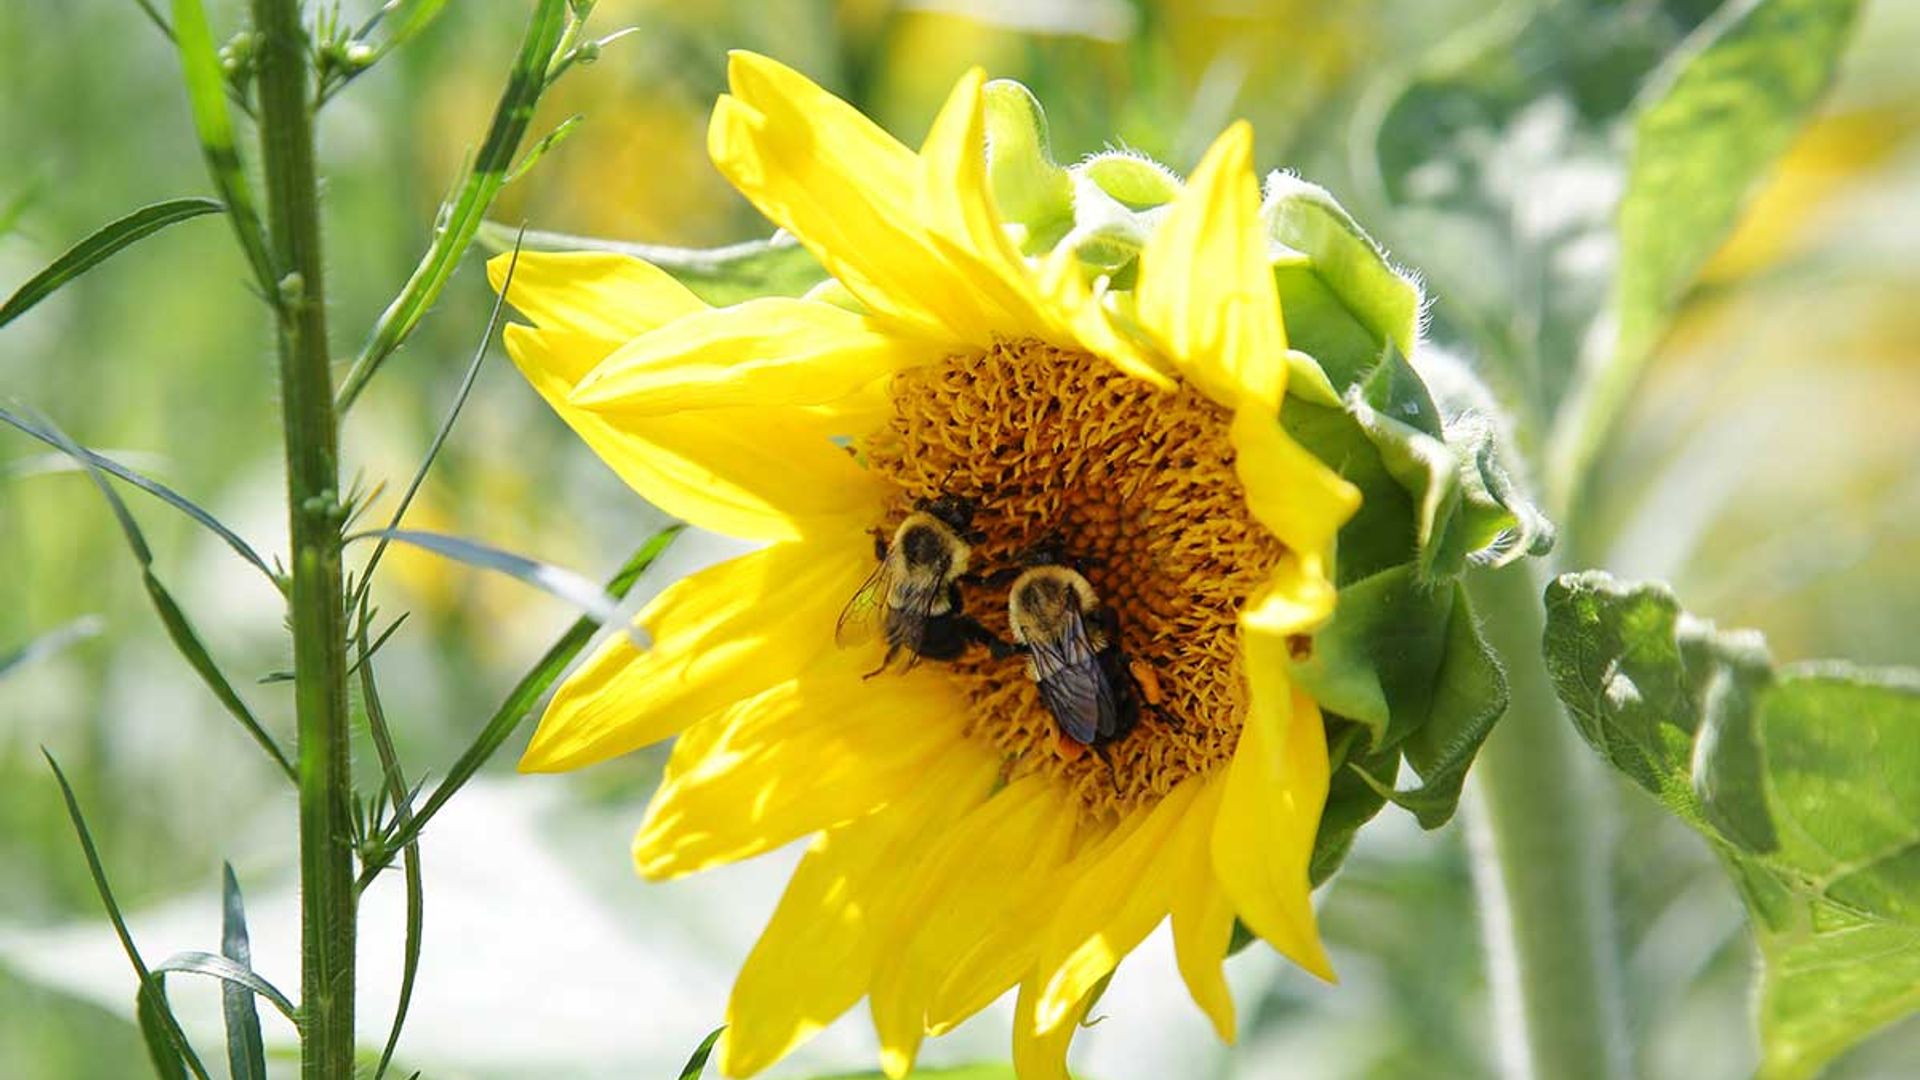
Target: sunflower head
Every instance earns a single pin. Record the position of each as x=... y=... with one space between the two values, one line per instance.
x=1258 y=519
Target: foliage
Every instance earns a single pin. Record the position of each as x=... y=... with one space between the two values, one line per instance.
x=1804 y=779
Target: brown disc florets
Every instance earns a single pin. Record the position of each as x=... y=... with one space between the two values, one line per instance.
x=1137 y=485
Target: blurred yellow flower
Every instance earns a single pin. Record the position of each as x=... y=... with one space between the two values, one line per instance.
x=958 y=852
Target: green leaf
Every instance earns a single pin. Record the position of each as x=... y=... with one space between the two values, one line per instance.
x=179 y=629
x=697 y=1063
x=539 y=149
x=1712 y=121
x=402 y=800
x=1806 y=779
x=99 y=247
x=51 y=642
x=519 y=704
x=474 y=193
x=87 y=458
x=207 y=95
x=165 y=1041
x=720 y=276
x=228 y=971
x=167 y=1062
x=554 y=580
x=434 y=446
x=246 y=1051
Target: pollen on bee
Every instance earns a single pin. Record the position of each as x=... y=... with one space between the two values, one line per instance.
x=1135 y=486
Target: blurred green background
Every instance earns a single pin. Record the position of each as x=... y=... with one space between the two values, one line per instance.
x=1766 y=468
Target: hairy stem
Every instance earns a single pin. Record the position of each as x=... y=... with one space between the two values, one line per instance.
x=313 y=501
x=1538 y=846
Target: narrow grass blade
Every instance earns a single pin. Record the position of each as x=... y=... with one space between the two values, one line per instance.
x=219 y=967
x=520 y=701
x=554 y=580
x=158 y=20
x=179 y=629
x=777 y=266
x=475 y=194
x=378 y=642
x=439 y=437
x=697 y=1064
x=167 y=1063
x=396 y=791
x=246 y=1050
x=152 y=994
x=158 y=490
x=99 y=247
x=207 y=94
x=51 y=642
x=195 y=651
x=538 y=150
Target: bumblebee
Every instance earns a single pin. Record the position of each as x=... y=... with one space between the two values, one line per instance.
x=913 y=595
x=1072 y=645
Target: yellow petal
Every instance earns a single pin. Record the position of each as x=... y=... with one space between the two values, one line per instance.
x=915 y=239
x=1006 y=954
x=963 y=224
x=722 y=634
x=990 y=864
x=814 y=959
x=1206 y=291
x=1116 y=897
x=1294 y=494
x=810 y=753
x=1202 y=914
x=772 y=351
x=1270 y=811
x=845 y=189
x=1085 y=313
x=1037 y=1054
x=591 y=292
x=759 y=474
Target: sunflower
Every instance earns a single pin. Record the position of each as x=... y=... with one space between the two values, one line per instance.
x=956 y=851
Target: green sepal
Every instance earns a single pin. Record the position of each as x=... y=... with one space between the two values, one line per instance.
x=1403 y=660
x=1029 y=187
x=1805 y=779
x=1307 y=219
x=1135 y=181
x=1500 y=522
x=1355 y=793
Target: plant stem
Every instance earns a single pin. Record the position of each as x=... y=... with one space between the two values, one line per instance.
x=1538 y=863
x=313 y=501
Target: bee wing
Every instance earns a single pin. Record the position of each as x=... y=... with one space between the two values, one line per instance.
x=1072 y=685
x=861 y=619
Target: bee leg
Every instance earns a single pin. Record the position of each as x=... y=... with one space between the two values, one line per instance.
x=1002 y=577
x=1001 y=650
x=885 y=663
x=1100 y=751
x=1146 y=684
x=880 y=541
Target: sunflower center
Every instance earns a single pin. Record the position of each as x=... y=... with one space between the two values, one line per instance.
x=1136 y=487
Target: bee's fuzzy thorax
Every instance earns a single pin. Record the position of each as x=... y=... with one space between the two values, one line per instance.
x=1137 y=485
